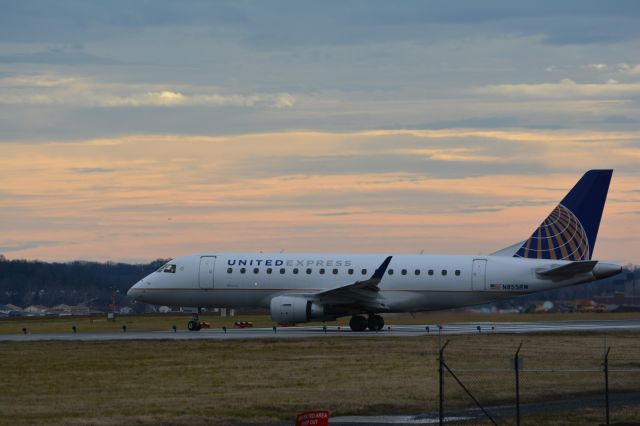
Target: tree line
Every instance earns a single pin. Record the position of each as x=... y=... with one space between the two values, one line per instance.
x=26 y=282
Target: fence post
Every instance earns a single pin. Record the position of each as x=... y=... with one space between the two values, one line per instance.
x=441 y=376
x=606 y=383
x=516 y=363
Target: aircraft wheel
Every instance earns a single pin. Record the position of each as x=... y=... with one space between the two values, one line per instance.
x=375 y=322
x=358 y=323
x=193 y=326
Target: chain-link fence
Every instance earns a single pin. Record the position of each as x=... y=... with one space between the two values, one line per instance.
x=554 y=379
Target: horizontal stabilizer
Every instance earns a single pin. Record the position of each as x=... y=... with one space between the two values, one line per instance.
x=569 y=270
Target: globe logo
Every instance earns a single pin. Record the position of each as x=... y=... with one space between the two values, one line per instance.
x=561 y=236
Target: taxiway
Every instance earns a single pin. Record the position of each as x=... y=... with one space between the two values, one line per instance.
x=336 y=332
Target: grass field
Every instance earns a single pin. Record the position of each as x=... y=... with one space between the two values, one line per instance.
x=269 y=381
x=165 y=322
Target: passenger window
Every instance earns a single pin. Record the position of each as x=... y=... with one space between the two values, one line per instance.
x=229 y=270
x=308 y=271
x=256 y=270
x=417 y=271
x=170 y=269
x=390 y=272
x=458 y=272
x=364 y=272
x=444 y=272
x=321 y=271
x=430 y=271
x=282 y=270
x=403 y=272
x=243 y=270
x=335 y=271
x=295 y=270
x=350 y=271
x=269 y=270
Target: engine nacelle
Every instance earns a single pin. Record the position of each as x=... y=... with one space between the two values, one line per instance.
x=295 y=309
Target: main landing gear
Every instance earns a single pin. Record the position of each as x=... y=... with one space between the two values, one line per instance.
x=360 y=323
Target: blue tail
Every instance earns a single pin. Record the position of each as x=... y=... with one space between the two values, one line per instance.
x=570 y=231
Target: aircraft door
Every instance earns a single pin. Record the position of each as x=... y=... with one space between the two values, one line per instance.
x=479 y=274
x=207 y=264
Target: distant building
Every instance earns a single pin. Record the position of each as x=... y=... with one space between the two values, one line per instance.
x=81 y=309
x=37 y=310
x=11 y=307
x=10 y=311
x=632 y=287
x=61 y=309
x=620 y=299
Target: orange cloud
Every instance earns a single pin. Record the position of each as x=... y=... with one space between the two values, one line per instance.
x=140 y=197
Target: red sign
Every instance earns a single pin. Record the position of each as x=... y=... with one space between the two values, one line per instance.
x=313 y=418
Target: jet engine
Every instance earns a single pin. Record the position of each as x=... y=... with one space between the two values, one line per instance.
x=295 y=309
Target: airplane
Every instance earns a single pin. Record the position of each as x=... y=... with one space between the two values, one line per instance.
x=305 y=287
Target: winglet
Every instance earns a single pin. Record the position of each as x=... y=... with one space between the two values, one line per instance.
x=379 y=273
x=370 y=284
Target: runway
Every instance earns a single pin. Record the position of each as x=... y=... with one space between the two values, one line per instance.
x=337 y=332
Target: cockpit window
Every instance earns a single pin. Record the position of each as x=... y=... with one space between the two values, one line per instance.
x=170 y=268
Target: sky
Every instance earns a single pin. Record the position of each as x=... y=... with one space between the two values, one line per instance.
x=136 y=130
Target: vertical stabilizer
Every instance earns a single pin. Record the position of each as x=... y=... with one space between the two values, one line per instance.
x=570 y=231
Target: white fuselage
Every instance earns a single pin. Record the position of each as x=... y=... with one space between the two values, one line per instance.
x=411 y=283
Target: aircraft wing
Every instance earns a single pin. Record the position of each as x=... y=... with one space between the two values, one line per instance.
x=361 y=293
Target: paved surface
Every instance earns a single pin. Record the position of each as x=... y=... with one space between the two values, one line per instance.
x=501 y=413
x=302 y=332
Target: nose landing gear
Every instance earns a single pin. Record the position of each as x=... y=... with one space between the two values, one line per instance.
x=360 y=323
x=195 y=324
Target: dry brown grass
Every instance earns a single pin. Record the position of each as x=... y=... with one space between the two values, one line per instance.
x=261 y=381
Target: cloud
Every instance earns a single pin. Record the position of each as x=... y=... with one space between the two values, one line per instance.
x=480 y=210
x=566 y=88
x=55 y=55
x=37 y=81
x=629 y=69
x=91 y=170
x=303 y=191
x=458 y=154
x=307 y=24
x=596 y=67
x=78 y=91
x=329 y=214
x=24 y=245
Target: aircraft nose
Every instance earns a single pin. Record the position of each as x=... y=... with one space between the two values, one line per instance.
x=135 y=291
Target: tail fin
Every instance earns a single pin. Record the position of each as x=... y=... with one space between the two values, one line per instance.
x=570 y=231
